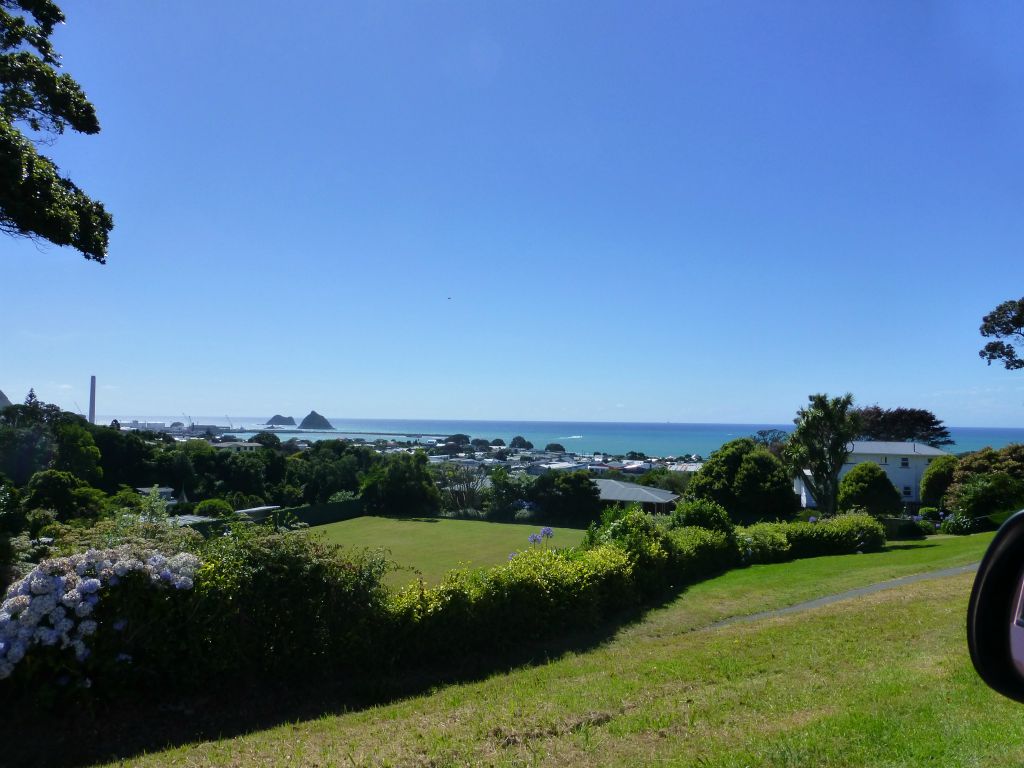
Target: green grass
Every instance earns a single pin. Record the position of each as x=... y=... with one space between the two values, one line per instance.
x=432 y=546
x=880 y=680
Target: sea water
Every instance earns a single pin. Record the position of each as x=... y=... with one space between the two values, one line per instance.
x=617 y=438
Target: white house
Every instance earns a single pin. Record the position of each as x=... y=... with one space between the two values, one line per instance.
x=904 y=463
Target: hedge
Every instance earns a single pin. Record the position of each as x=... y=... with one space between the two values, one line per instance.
x=272 y=606
x=840 y=535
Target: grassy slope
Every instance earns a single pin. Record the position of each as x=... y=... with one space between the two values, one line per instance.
x=433 y=546
x=878 y=680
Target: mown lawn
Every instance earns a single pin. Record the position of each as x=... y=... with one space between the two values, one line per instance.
x=429 y=547
x=880 y=680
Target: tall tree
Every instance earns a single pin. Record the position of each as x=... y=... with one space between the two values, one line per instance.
x=820 y=444
x=748 y=481
x=1005 y=322
x=902 y=424
x=36 y=201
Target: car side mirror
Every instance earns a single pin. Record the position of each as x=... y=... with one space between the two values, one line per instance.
x=995 y=614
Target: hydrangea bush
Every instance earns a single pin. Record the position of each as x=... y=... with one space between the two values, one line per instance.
x=54 y=605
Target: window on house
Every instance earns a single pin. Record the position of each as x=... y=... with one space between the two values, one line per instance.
x=884 y=460
x=906 y=490
x=904 y=462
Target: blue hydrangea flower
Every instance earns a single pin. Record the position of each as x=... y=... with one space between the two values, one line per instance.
x=812 y=519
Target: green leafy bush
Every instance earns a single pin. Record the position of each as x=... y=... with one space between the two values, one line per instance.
x=271 y=603
x=867 y=486
x=930 y=513
x=649 y=548
x=214 y=508
x=903 y=528
x=763 y=543
x=703 y=513
x=840 y=535
x=538 y=592
x=959 y=524
x=697 y=553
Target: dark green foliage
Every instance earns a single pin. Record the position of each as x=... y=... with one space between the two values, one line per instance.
x=77 y=453
x=35 y=200
x=520 y=443
x=820 y=444
x=554 y=448
x=937 y=478
x=266 y=439
x=214 y=508
x=970 y=491
x=747 y=480
x=506 y=496
x=400 y=485
x=1005 y=323
x=902 y=425
x=930 y=513
x=263 y=604
x=570 y=497
x=703 y=513
x=867 y=487
x=53 y=489
x=457 y=440
x=662 y=477
x=905 y=528
x=989 y=494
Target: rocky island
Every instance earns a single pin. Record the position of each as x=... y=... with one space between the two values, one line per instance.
x=315 y=421
x=277 y=420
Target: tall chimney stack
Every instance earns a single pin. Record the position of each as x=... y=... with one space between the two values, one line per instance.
x=92 y=399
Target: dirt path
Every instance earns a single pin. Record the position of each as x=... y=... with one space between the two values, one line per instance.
x=829 y=599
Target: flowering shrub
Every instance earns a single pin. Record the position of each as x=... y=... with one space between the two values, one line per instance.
x=958 y=525
x=53 y=605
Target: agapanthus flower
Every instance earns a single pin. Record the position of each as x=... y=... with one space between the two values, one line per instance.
x=534 y=538
x=547 y=532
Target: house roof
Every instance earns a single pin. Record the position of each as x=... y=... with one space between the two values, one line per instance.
x=617 y=490
x=895 y=448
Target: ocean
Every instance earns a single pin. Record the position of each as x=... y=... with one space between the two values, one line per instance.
x=662 y=439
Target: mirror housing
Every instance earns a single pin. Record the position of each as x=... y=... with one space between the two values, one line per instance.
x=995 y=614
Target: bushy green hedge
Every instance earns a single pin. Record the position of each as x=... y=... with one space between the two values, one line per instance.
x=273 y=606
x=840 y=535
x=539 y=592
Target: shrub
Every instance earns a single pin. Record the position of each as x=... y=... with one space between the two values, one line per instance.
x=959 y=524
x=867 y=486
x=697 y=553
x=937 y=478
x=840 y=535
x=703 y=513
x=647 y=545
x=214 y=508
x=271 y=603
x=927 y=527
x=930 y=513
x=763 y=543
x=904 y=528
x=538 y=592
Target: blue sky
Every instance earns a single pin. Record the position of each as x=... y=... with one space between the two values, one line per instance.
x=597 y=211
